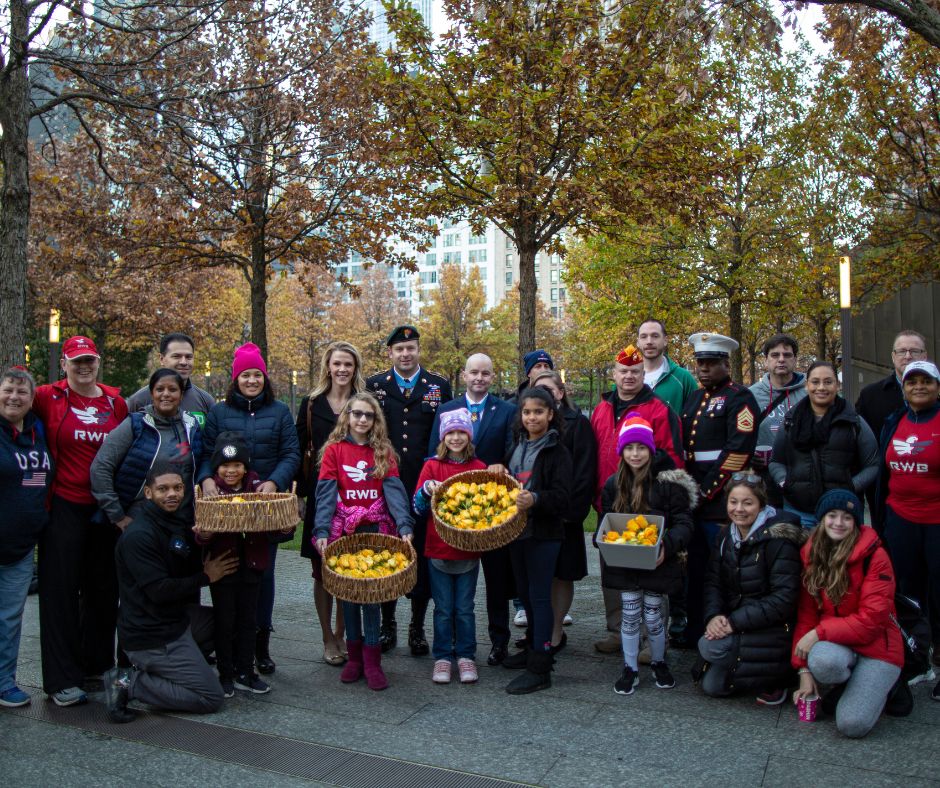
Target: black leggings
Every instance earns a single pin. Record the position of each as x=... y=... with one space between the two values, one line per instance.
x=234 y=602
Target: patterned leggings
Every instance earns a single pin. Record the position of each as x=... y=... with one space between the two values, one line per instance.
x=637 y=606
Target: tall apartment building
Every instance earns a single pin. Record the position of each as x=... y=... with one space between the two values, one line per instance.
x=491 y=252
x=378 y=30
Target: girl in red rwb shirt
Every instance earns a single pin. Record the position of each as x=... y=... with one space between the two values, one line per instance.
x=453 y=572
x=358 y=490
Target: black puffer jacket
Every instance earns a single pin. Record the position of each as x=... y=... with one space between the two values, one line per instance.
x=551 y=481
x=757 y=586
x=673 y=494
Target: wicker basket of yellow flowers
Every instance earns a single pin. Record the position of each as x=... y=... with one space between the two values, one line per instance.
x=476 y=510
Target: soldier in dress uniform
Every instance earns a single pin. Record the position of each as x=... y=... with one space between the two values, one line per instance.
x=719 y=433
x=410 y=397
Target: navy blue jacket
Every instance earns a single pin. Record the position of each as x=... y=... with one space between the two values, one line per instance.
x=25 y=477
x=269 y=432
x=132 y=473
x=494 y=437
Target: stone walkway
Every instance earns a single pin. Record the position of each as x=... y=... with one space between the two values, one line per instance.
x=579 y=733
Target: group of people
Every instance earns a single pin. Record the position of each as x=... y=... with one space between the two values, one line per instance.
x=765 y=564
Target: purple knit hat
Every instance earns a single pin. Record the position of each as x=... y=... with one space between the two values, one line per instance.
x=636 y=430
x=456 y=420
x=248 y=356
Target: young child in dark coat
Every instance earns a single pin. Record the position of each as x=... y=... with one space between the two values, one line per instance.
x=235 y=597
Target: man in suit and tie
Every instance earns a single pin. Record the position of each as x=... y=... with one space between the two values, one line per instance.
x=410 y=396
x=492 y=420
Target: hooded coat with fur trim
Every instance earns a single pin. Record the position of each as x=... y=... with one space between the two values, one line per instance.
x=673 y=494
x=757 y=587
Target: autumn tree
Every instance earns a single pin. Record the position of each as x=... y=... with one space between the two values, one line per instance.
x=921 y=17
x=367 y=316
x=546 y=118
x=277 y=161
x=452 y=320
x=51 y=67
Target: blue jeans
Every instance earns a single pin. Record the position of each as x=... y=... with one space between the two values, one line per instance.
x=533 y=564
x=807 y=519
x=366 y=627
x=455 y=633
x=14 y=583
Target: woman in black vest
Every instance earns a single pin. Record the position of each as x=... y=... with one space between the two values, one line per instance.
x=824 y=445
x=340 y=377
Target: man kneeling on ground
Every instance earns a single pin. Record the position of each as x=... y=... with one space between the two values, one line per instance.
x=159 y=627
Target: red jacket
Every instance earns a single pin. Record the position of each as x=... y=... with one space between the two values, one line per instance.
x=667 y=432
x=74 y=448
x=862 y=621
x=439 y=471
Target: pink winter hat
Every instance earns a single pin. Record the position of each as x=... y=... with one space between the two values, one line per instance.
x=248 y=356
x=636 y=430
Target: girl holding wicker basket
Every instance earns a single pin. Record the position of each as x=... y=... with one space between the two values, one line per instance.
x=359 y=491
x=453 y=572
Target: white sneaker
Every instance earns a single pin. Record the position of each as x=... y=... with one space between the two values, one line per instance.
x=521 y=620
x=567 y=621
x=928 y=676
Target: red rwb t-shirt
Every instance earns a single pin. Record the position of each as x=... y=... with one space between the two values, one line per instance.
x=76 y=427
x=352 y=467
x=913 y=459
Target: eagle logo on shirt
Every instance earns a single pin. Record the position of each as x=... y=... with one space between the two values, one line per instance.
x=91 y=415
x=358 y=473
x=911 y=446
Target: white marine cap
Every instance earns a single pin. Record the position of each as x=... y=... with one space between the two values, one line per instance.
x=712 y=345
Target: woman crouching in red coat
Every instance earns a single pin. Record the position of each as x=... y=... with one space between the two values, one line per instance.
x=846 y=637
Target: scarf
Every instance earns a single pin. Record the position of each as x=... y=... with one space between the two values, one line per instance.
x=806 y=431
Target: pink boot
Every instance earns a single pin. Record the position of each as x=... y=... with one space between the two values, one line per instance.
x=375 y=677
x=352 y=670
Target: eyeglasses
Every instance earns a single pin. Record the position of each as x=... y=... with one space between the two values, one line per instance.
x=913 y=352
x=747 y=478
x=361 y=415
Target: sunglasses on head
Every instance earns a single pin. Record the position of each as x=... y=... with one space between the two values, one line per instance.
x=747 y=478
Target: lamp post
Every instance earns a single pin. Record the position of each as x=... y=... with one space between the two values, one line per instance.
x=54 y=346
x=845 y=316
x=293 y=392
x=208 y=374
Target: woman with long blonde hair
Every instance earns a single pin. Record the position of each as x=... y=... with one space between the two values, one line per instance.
x=846 y=638
x=339 y=377
x=359 y=491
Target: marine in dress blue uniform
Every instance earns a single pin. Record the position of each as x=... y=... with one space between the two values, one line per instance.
x=410 y=405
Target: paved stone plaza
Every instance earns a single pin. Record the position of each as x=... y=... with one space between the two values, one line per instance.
x=578 y=734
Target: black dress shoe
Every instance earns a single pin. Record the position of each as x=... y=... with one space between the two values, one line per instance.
x=388 y=635
x=561 y=644
x=417 y=642
x=497 y=655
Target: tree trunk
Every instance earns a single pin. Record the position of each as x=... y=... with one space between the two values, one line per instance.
x=821 y=343
x=736 y=328
x=15 y=196
x=528 y=293
x=259 y=295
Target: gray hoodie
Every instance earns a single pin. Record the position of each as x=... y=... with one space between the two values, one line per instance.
x=765 y=394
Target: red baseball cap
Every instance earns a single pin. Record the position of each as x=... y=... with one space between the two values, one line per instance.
x=76 y=347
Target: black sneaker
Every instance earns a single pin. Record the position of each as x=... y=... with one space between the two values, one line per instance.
x=228 y=687
x=251 y=683
x=627 y=681
x=936 y=692
x=664 y=677
x=772 y=697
